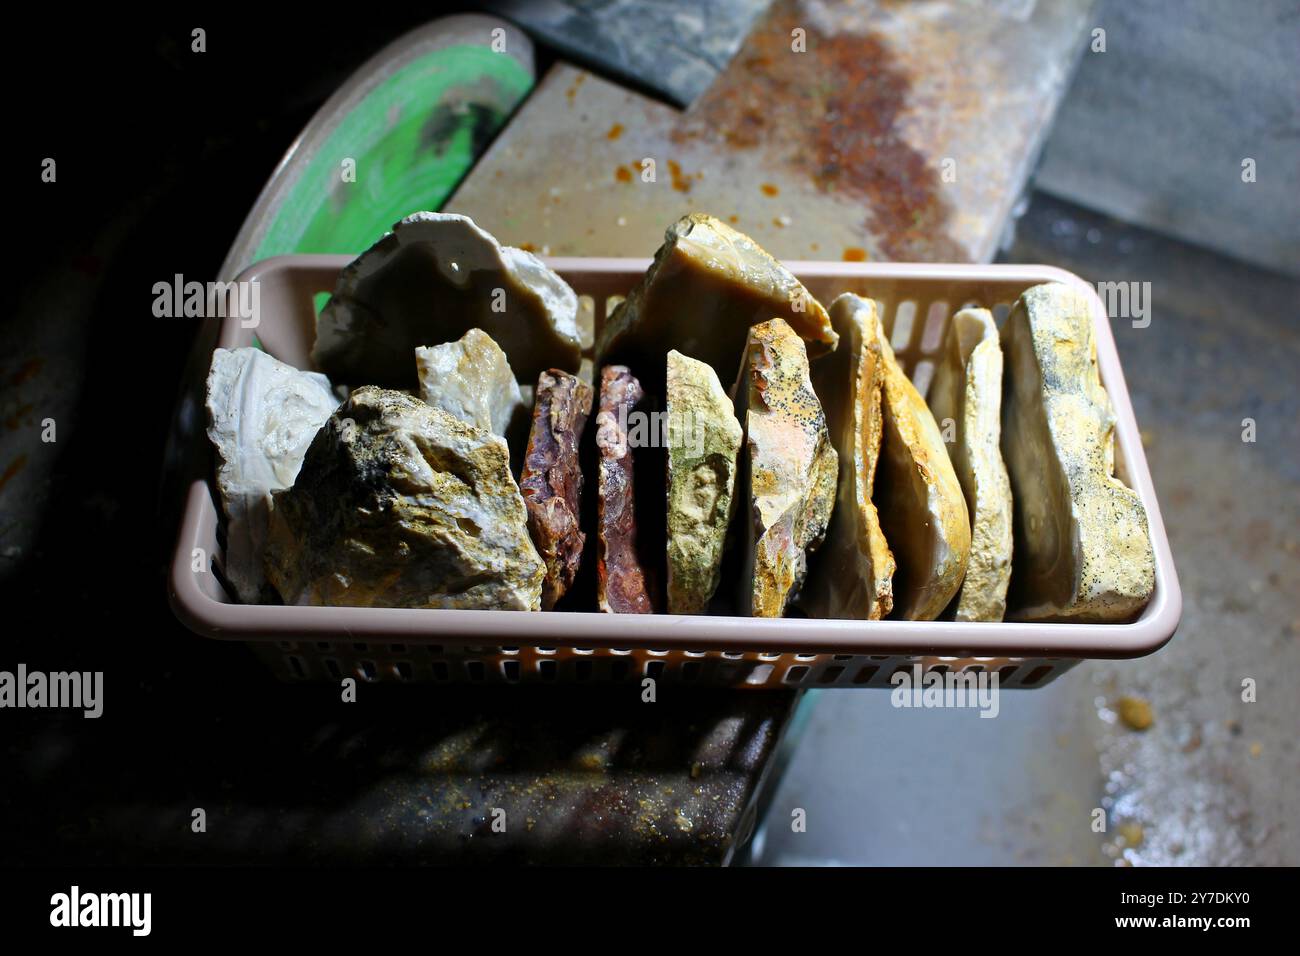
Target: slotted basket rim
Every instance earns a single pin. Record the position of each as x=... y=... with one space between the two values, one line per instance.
x=222 y=620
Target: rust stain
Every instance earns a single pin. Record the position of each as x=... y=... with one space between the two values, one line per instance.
x=832 y=115
x=572 y=91
x=15 y=466
x=27 y=371
x=681 y=182
x=622 y=174
x=615 y=131
x=527 y=247
x=854 y=254
x=770 y=189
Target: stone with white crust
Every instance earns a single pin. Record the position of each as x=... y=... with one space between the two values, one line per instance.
x=262 y=415
x=429 y=281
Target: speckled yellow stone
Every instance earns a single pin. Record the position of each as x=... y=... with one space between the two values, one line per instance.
x=852 y=575
x=792 y=467
x=967 y=391
x=1082 y=548
x=703 y=442
x=921 y=505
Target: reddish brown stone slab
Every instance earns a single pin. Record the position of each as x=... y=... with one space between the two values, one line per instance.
x=621 y=585
x=552 y=478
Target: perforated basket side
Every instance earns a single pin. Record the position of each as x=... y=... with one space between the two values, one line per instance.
x=498 y=664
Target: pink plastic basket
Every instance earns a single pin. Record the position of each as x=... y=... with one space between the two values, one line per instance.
x=916 y=300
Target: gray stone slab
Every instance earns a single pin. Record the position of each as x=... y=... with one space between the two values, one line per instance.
x=884 y=138
x=1155 y=129
x=673 y=47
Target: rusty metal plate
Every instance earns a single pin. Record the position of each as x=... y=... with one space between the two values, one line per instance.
x=881 y=131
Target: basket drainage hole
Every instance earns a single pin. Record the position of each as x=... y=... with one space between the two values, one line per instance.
x=510 y=670
x=936 y=321
x=475 y=670
x=546 y=669
x=904 y=316
x=1037 y=674
x=922 y=375
x=865 y=674
x=367 y=670
x=796 y=674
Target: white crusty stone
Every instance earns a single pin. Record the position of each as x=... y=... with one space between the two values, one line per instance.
x=262 y=415
x=471 y=379
x=967 y=390
x=430 y=280
x=1082 y=548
